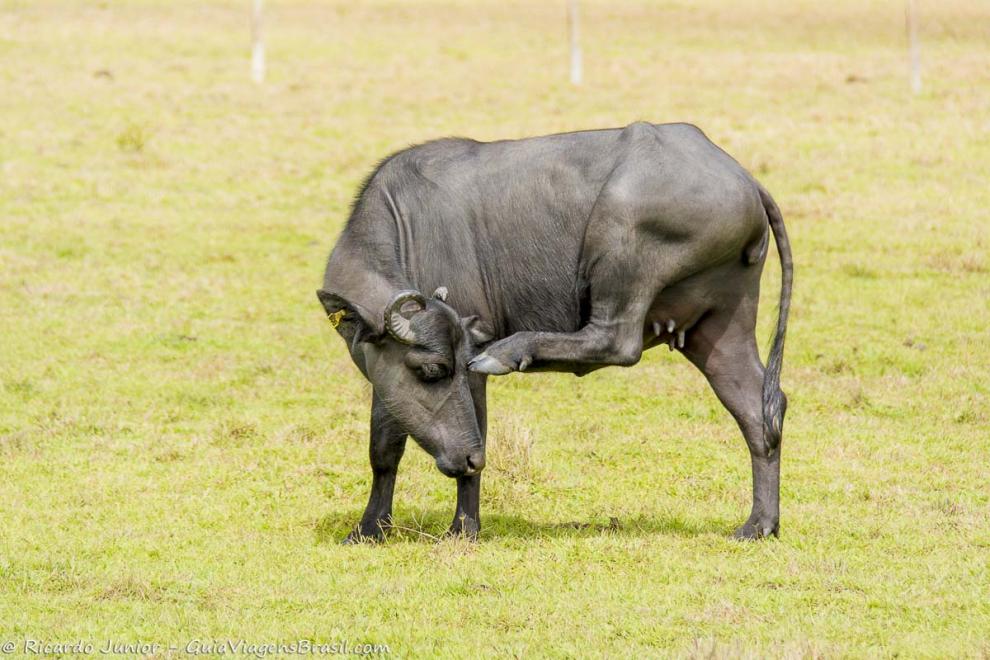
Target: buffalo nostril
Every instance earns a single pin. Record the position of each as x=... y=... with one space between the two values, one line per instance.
x=476 y=461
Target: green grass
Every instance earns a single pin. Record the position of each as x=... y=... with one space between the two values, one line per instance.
x=183 y=438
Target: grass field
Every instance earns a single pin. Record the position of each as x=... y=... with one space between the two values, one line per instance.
x=183 y=437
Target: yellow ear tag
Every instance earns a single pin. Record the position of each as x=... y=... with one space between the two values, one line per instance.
x=335 y=318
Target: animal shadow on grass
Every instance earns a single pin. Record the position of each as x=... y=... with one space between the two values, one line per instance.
x=429 y=526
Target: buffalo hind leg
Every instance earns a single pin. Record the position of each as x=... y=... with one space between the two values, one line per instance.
x=619 y=343
x=388 y=442
x=612 y=336
x=723 y=347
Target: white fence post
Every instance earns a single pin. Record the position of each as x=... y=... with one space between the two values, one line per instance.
x=577 y=66
x=914 y=47
x=257 y=45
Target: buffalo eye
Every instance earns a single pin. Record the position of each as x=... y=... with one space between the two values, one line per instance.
x=432 y=371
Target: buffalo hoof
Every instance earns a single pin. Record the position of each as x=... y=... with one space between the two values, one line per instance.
x=464 y=527
x=358 y=536
x=486 y=364
x=753 y=530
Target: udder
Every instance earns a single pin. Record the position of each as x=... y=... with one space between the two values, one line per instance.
x=672 y=315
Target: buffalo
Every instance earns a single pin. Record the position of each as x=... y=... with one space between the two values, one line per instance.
x=570 y=252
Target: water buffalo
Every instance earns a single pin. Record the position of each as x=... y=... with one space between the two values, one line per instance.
x=569 y=252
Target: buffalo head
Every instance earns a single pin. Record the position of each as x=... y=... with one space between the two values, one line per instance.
x=415 y=354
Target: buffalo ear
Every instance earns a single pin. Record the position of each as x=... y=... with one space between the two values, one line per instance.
x=351 y=320
x=481 y=332
x=331 y=302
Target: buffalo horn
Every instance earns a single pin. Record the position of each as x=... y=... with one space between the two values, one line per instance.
x=399 y=312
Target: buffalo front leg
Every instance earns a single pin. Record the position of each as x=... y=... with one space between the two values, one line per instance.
x=467 y=516
x=724 y=348
x=388 y=442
